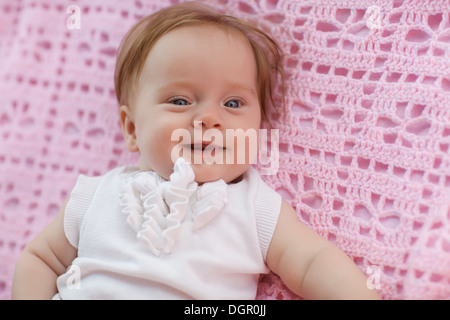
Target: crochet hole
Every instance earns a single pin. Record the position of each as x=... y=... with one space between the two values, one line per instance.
x=46 y=45
x=283 y=147
x=387 y=33
x=446 y=245
x=362 y=212
x=417 y=110
x=446 y=132
x=12 y=203
x=395 y=17
x=332 y=42
x=418 y=127
x=437 y=225
x=308 y=183
x=381 y=167
x=429 y=80
x=244 y=7
x=369 y=89
x=375 y=76
x=305 y=10
x=445 y=36
x=271 y=4
x=379 y=62
x=436 y=277
x=397 y=3
x=393 y=77
x=298 y=35
x=342 y=15
x=391 y=221
x=417 y=35
x=301 y=107
x=342 y=190
x=52 y=209
x=70 y=128
x=437 y=163
x=390 y=138
x=294 y=181
x=110 y=51
x=313 y=201
x=363 y=163
x=401 y=108
x=445 y=84
x=341 y=72
x=385 y=122
x=375 y=199
x=359 y=15
x=294 y=48
x=299 y=22
x=314 y=154
x=342 y=174
x=359 y=30
x=4 y=119
x=358 y=74
x=306 y=66
x=386 y=47
x=306 y=123
x=298 y=150
x=323 y=69
x=349 y=145
x=84 y=47
x=315 y=97
x=434 y=179
x=274 y=18
x=346 y=160
x=330 y=157
x=326 y=27
x=417 y=175
x=337 y=205
x=331 y=113
x=438 y=52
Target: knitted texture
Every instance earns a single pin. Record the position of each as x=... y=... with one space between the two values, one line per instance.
x=364 y=144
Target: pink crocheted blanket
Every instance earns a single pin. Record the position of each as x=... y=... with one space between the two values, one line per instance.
x=364 y=147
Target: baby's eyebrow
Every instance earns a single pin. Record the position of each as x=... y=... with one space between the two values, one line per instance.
x=177 y=85
x=239 y=87
x=232 y=86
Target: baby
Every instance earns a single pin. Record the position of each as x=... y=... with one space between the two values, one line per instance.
x=193 y=220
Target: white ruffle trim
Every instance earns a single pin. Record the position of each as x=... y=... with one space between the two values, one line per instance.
x=156 y=208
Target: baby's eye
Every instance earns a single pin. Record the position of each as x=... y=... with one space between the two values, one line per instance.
x=180 y=102
x=233 y=104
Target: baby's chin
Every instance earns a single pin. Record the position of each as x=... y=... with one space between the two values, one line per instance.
x=208 y=173
x=204 y=173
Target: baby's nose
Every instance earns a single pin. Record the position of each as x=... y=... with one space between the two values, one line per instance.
x=208 y=118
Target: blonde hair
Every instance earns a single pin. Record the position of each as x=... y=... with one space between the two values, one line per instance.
x=138 y=42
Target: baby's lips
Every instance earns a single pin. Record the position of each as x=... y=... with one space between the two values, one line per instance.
x=205 y=144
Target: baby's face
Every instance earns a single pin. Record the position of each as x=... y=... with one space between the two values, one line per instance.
x=196 y=81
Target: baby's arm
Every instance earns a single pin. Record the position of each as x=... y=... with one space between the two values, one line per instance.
x=311 y=266
x=42 y=261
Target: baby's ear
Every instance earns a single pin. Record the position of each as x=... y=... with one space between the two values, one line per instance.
x=128 y=128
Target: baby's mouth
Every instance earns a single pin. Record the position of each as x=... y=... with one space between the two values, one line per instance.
x=202 y=146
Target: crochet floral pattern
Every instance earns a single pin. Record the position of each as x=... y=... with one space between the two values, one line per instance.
x=364 y=142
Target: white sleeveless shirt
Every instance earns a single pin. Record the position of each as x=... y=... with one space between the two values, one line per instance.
x=140 y=236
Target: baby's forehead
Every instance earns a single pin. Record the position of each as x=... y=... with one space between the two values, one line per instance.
x=196 y=34
x=197 y=45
